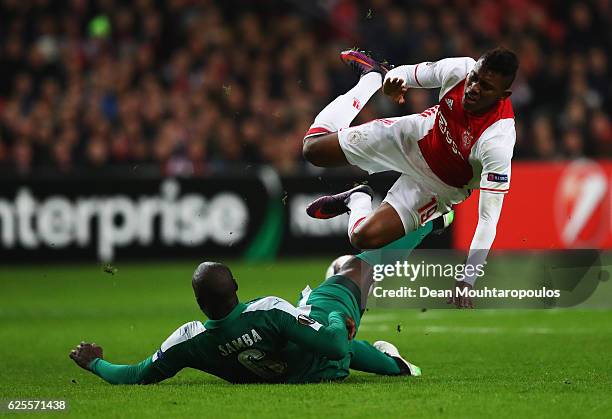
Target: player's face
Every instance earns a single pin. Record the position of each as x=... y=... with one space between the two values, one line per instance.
x=483 y=89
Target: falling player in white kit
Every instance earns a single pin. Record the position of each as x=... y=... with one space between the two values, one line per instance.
x=463 y=143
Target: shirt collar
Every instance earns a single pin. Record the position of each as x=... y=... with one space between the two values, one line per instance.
x=236 y=311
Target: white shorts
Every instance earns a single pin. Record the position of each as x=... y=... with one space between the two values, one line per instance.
x=392 y=144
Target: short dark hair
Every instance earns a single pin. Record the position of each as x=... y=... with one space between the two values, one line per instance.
x=213 y=281
x=501 y=61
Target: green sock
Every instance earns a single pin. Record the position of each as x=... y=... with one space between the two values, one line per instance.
x=397 y=250
x=369 y=359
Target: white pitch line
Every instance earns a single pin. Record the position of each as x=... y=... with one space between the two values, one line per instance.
x=539 y=330
x=463 y=329
x=374 y=328
x=377 y=318
x=428 y=315
x=474 y=330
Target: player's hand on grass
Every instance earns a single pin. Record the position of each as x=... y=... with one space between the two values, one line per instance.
x=458 y=300
x=85 y=353
x=395 y=89
x=350 y=326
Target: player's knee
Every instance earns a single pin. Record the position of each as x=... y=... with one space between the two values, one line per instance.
x=367 y=238
x=311 y=151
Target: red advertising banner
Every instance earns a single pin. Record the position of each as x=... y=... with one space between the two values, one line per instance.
x=549 y=206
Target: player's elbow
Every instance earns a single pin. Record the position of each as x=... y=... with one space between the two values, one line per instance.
x=366 y=238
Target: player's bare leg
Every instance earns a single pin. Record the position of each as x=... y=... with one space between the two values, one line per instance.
x=377 y=229
x=360 y=273
x=321 y=146
x=324 y=151
x=381 y=358
x=367 y=229
x=359 y=268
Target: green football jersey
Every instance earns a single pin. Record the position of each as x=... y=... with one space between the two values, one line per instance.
x=264 y=340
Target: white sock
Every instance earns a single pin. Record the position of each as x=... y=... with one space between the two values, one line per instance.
x=360 y=204
x=342 y=110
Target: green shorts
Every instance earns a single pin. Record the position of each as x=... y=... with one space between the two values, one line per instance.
x=336 y=293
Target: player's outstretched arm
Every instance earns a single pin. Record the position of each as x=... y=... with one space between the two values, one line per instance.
x=495 y=154
x=489 y=210
x=444 y=73
x=89 y=356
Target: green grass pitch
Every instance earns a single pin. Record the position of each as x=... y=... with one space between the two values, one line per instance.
x=479 y=363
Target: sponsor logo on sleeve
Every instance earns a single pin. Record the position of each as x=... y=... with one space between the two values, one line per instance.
x=497 y=177
x=305 y=320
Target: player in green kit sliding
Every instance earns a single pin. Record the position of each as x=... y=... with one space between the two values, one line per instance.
x=268 y=339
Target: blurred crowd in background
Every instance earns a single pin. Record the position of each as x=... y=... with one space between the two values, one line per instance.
x=196 y=87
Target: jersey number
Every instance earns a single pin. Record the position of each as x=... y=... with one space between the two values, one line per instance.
x=255 y=361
